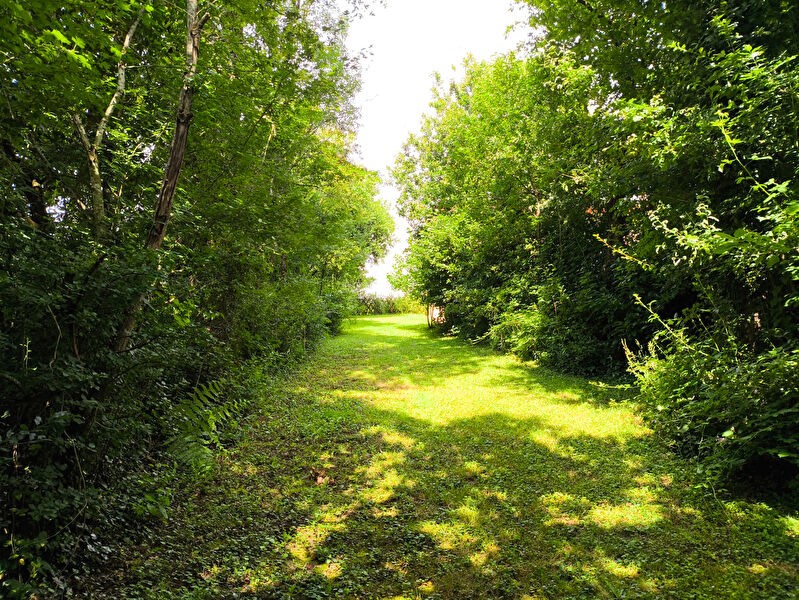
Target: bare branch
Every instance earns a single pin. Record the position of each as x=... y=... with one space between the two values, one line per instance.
x=58 y=341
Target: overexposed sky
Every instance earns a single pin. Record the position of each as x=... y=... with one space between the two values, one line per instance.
x=410 y=40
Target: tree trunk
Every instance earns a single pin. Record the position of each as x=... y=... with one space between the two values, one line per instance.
x=177 y=150
x=95 y=179
x=163 y=206
x=92 y=147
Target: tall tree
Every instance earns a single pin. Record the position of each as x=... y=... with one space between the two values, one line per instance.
x=269 y=228
x=639 y=185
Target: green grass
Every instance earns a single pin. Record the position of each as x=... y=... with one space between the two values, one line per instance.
x=396 y=464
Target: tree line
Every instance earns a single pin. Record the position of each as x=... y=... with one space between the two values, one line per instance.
x=179 y=217
x=623 y=196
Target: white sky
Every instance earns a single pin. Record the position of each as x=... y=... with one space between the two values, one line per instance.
x=410 y=40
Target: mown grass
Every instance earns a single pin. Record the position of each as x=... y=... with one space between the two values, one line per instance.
x=400 y=465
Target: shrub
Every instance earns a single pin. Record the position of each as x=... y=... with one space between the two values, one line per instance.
x=720 y=401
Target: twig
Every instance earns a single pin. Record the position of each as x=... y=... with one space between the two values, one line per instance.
x=58 y=341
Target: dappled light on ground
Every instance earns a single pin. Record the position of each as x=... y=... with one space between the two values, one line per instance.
x=401 y=465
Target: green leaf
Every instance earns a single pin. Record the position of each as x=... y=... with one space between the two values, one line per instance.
x=59 y=36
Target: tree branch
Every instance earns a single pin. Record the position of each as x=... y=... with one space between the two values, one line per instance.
x=121 y=66
x=84 y=138
x=92 y=148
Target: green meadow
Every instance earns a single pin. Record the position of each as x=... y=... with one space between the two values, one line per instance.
x=396 y=464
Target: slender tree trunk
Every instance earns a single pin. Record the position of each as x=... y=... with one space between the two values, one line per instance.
x=177 y=151
x=163 y=206
x=92 y=147
x=97 y=203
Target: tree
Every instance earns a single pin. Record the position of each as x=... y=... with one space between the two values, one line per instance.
x=269 y=227
x=499 y=192
x=633 y=179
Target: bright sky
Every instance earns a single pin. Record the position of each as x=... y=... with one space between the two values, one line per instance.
x=410 y=40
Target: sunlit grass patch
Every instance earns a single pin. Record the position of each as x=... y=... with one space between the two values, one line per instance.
x=565 y=509
x=468 y=514
x=642 y=495
x=791 y=525
x=473 y=469
x=629 y=514
x=619 y=569
x=384 y=489
x=329 y=570
x=427 y=587
x=383 y=463
x=385 y=512
x=554 y=444
x=306 y=539
x=390 y=436
x=484 y=555
x=450 y=536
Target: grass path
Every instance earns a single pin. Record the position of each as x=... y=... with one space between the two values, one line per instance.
x=399 y=465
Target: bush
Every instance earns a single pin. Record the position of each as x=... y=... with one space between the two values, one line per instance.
x=579 y=333
x=65 y=423
x=721 y=402
x=93 y=435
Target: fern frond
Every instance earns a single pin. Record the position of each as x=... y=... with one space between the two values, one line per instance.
x=198 y=418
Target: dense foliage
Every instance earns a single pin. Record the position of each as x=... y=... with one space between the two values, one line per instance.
x=119 y=352
x=629 y=183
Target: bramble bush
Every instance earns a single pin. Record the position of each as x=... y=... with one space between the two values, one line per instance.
x=721 y=402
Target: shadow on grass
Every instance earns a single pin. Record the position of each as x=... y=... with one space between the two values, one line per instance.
x=345 y=488
x=480 y=509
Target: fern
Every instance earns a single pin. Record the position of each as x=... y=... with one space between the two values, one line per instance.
x=199 y=418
